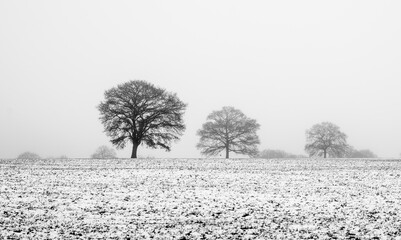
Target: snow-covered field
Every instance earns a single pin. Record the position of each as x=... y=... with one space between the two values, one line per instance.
x=200 y=199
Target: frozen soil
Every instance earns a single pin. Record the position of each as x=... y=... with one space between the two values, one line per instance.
x=200 y=199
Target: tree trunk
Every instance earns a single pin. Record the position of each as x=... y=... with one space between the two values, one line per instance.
x=227 y=152
x=325 y=153
x=134 y=150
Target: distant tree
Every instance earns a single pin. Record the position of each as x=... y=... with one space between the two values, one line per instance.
x=28 y=155
x=230 y=130
x=326 y=139
x=364 y=153
x=270 y=153
x=138 y=112
x=104 y=152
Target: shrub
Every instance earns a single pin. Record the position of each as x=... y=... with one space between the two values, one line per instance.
x=28 y=155
x=104 y=152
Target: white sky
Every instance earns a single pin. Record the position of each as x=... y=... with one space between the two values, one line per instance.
x=288 y=64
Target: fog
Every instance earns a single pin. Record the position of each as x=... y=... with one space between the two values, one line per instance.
x=288 y=64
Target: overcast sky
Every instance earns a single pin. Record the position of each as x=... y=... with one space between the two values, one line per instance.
x=287 y=64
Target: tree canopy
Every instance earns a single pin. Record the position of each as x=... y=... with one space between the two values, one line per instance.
x=326 y=139
x=138 y=112
x=230 y=130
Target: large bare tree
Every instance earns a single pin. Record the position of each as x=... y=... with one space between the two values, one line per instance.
x=230 y=130
x=139 y=112
x=326 y=139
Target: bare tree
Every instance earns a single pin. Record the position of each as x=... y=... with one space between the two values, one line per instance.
x=326 y=139
x=139 y=112
x=28 y=155
x=230 y=130
x=104 y=152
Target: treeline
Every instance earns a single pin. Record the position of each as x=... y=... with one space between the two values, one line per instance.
x=104 y=152
x=272 y=153
x=139 y=113
x=352 y=153
x=101 y=152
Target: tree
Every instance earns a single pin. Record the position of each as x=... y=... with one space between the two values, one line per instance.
x=104 y=152
x=230 y=130
x=28 y=155
x=326 y=139
x=364 y=153
x=138 y=112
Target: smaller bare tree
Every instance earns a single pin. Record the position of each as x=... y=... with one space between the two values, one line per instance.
x=230 y=130
x=104 y=152
x=326 y=139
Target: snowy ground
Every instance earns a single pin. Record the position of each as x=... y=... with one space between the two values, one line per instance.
x=200 y=199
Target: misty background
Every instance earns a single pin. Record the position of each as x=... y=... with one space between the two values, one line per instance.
x=287 y=64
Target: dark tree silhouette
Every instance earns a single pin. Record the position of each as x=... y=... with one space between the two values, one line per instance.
x=104 y=152
x=230 y=130
x=139 y=112
x=326 y=139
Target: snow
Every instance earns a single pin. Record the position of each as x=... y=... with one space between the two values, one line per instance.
x=200 y=199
